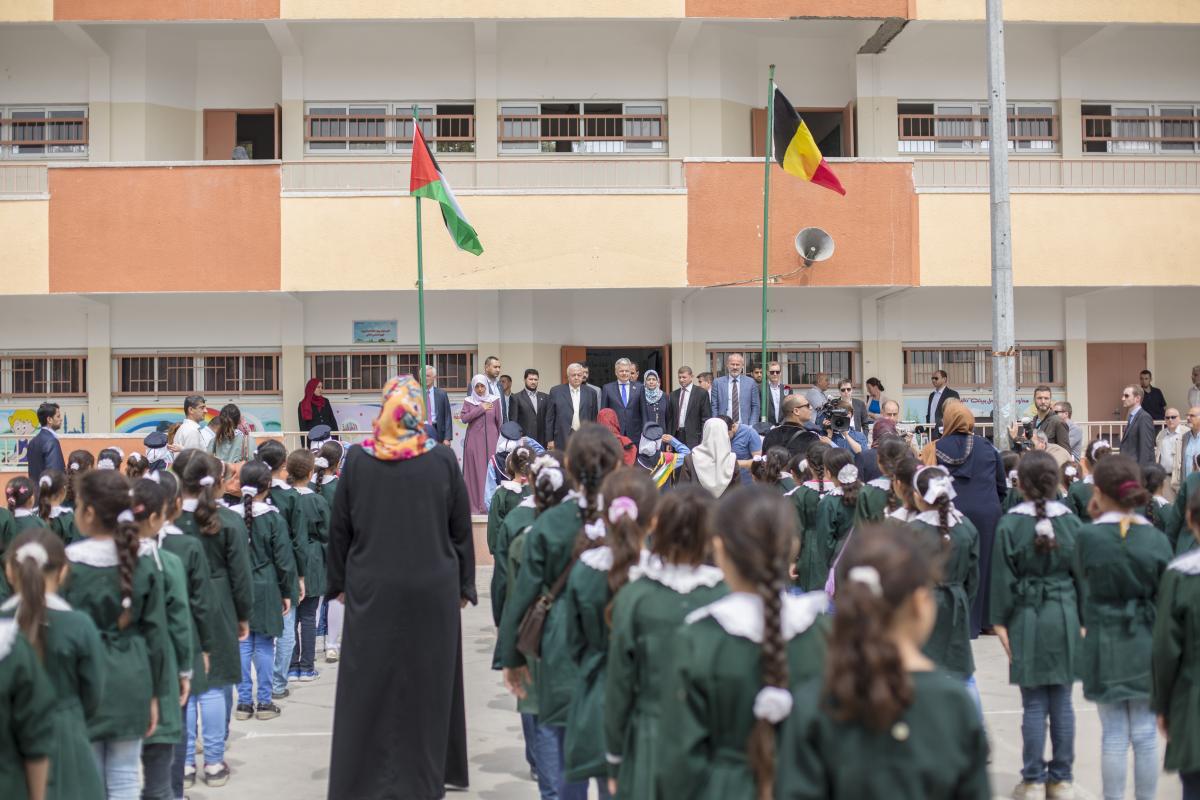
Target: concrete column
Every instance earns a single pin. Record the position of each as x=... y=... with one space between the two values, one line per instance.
x=292 y=144
x=1075 y=354
x=688 y=348
x=487 y=172
x=291 y=362
x=1071 y=127
x=99 y=109
x=882 y=347
x=99 y=366
x=876 y=112
x=679 y=110
x=487 y=322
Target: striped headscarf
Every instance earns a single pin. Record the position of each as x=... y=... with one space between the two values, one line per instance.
x=399 y=430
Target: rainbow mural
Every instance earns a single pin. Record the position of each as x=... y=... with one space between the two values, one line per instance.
x=145 y=419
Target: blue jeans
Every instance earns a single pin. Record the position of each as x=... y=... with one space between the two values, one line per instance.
x=209 y=708
x=323 y=619
x=302 y=653
x=283 y=652
x=1054 y=702
x=541 y=750
x=1129 y=722
x=157 y=761
x=260 y=650
x=120 y=765
x=575 y=790
x=1191 y=785
x=973 y=690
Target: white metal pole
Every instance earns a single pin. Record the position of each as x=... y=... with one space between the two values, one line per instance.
x=1004 y=372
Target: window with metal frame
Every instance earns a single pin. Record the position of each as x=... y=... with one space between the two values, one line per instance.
x=963 y=127
x=36 y=375
x=970 y=366
x=800 y=364
x=1141 y=128
x=221 y=374
x=582 y=127
x=387 y=127
x=367 y=371
x=43 y=131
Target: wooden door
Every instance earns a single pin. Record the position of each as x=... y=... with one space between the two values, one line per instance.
x=1111 y=367
x=220 y=134
x=570 y=354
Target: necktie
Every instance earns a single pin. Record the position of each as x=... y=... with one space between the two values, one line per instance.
x=735 y=403
x=533 y=401
x=683 y=401
x=575 y=409
x=624 y=394
x=432 y=407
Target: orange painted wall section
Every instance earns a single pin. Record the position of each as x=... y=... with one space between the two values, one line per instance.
x=164 y=229
x=783 y=9
x=165 y=9
x=874 y=226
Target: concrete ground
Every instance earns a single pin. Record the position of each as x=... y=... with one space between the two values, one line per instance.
x=288 y=757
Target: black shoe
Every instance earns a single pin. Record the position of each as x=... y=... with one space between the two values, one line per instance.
x=244 y=711
x=286 y=693
x=267 y=711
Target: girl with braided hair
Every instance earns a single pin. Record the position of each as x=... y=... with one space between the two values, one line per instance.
x=123 y=593
x=511 y=491
x=837 y=513
x=901 y=505
x=877 y=496
x=1160 y=511
x=737 y=660
x=53 y=487
x=1035 y=612
x=79 y=462
x=884 y=721
x=599 y=574
x=552 y=546
x=1121 y=558
x=813 y=484
x=949 y=532
x=21 y=495
x=1079 y=495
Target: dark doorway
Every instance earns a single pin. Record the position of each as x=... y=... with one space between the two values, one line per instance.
x=601 y=362
x=256 y=132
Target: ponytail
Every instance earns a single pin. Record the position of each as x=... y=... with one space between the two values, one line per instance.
x=1038 y=480
x=19 y=492
x=30 y=556
x=50 y=485
x=126 y=537
x=198 y=475
x=255 y=478
x=108 y=493
x=632 y=505
x=592 y=453
x=329 y=457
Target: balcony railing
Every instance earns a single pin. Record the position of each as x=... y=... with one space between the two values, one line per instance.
x=453 y=133
x=1141 y=134
x=952 y=133
x=1066 y=174
x=54 y=135
x=22 y=180
x=583 y=133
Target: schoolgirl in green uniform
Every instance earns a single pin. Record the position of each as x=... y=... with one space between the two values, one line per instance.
x=836 y=515
x=1160 y=511
x=812 y=484
x=22 y=504
x=1121 y=558
x=123 y=593
x=903 y=475
x=956 y=539
x=878 y=497
x=8 y=532
x=26 y=718
x=283 y=497
x=670 y=582
x=78 y=463
x=1035 y=610
x=1175 y=696
x=770 y=469
x=1079 y=495
x=53 y=486
x=313 y=513
x=884 y=722
x=68 y=645
x=325 y=483
x=1013 y=497
x=509 y=494
x=737 y=659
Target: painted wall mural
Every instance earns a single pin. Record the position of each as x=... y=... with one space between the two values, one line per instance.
x=146 y=419
x=18 y=425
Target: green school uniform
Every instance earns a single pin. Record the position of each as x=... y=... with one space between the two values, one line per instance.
x=1175 y=692
x=508 y=496
x=26 y=518
x=1038 y=596
x=517 y=521
x=199 y=594
x=833 y=524
x=872 y=499
x=1012 y=499
x=949 y=644
x=714 y=679
x=313 y=513
x=1162 y=515
x=805 y=498
x=1120 y=578
x=787 y=483
x=647 y=614
x=548 y=548
x=272 y=569
x=26 y=711
x=73 y=659
x=1078 y=497
x=327 y=489
x=136 y=662
x=284 y=497
x=937 y=750
x=585 y=598
x=227 y=553
x=7 y=534
x=179 y=632
x=62 y=522
x=516 y=550
x=1186 y=544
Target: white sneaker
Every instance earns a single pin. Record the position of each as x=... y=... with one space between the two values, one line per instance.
x=1029 y=791
x=331 y=656
x=1063 y=790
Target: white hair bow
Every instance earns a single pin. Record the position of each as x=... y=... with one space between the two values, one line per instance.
x=847 y=475
x=1044 y=529
x=868 y=576
x=940 y=485
x=249 y=491
x=105 y=463
x=773 y=704
x=126 y=516
x=321 y=463
x=45 y=481
x=33 y=551
x=207 y=480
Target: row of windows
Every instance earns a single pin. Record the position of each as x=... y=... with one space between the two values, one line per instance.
x=43 y=131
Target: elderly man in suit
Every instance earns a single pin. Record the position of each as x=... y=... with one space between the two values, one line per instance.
x=441 y=418
x=1137 y=441
x=937 y=400
x=689 y=409
x=777 y=390
x=529 y=407
x=624 y=396
x=44 y=452
x=569 y=405
x=736 y=395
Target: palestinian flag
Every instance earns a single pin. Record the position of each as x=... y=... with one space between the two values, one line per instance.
x=795 y=149
x=428 y=181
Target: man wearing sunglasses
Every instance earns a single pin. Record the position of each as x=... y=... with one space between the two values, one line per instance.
x=937 y=399
x=1137 y=441
x=776 y=391
x=1168 y=444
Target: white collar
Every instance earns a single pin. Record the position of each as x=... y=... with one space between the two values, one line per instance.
x=527 y=503
x=257 y=508
x=835 y=490
x=598 y=558
x=8 y=635
x=791 y=491
x=931 y=517
x=1115 y=518
x=1053 y=509
x=170 y=529
x=1161 y=501
x=681 y=578
x=1188 y=563
x=881 y=483
x=902 y=514
x=816 y=486
x=190 y=504
x=52 y=601
x=279 y=483
x=24 y=512
x=149 y=547
x=512 y=486
x=1089 y=480
x=98 y=553
x=328 y=479
x=303 y=489
x=741 y=614
x=58 y=511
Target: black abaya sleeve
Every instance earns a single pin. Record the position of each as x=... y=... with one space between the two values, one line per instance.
x=461 y=535
x=341 y=533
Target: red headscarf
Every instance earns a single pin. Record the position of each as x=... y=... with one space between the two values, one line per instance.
x=310 y=399
x=608 y=418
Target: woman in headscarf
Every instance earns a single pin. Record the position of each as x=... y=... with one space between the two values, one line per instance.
x=654 y=400
x=400 y=544
x=314 y=409
x=712 y=463
x=979 y=479
x=481 y=412
x=608 y=418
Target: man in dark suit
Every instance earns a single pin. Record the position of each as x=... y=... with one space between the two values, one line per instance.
x=858 y=415
x=795 y=432
x=437 y=403
x=44 y=451
x=1137 y=441
x=689 y=409
x=529 y=407
x=568 y=406
x=624 y=396
x=937 y=399
x=776 y=391
x=1153 y=402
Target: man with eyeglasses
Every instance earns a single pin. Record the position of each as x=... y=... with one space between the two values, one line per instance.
x=858 y=416
x=796 y=431
x=1137 y=441
x=1074 y=432
x=937 y=399
x=1189 y=449
x=1167 y=444
x=777 y=390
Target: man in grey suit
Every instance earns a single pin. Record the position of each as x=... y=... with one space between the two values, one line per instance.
x=1138 y=440
x=735 y=395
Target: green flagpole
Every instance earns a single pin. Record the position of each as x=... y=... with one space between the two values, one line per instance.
x=420 y=291
x=766 y=233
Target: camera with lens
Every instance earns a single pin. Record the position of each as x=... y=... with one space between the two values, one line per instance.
x=837 y=420
x=1025 y=435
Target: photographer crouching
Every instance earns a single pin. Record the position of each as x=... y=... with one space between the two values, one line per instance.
x=1053 y=427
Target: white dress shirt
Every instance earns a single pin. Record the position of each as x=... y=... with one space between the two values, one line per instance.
x=776 y=391
x=575 y=423
x=532 y=399
x=683 y=404
x=1194 y=396
x=933 y=404
x=188 y=436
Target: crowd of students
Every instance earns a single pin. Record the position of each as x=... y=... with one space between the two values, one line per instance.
x=809 y=636
x=144 y=605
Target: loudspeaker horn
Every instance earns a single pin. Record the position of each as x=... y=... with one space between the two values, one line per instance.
x=814 y=244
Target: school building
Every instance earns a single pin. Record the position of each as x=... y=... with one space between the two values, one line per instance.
x=610 y=156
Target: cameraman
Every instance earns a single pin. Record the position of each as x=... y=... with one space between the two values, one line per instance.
x=835 y=421
x=1047 y=422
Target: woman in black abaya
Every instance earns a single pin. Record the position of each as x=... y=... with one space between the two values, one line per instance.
x=402 y=553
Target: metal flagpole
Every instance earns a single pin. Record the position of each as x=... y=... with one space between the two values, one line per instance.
x=1004 y=371
x=420 y=290
x=766 y=229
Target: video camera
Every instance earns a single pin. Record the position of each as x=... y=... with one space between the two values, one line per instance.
x=1025 y=429
x=837 y=419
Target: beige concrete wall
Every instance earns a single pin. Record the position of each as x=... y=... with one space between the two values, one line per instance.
x=1172 y=363
x=99 y=384
x=26 y=10
x=717 y=128
x=480 y=9
x=877 y=120
x=291 y=382
x=1183 y=12
x=127 y=127
x=530 y=242
x=25 y=232
x=172 y=134
x=1063 y=239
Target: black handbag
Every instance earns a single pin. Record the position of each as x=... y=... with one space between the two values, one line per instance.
x=533 y=623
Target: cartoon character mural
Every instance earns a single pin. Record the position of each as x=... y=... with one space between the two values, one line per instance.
x=19 y=425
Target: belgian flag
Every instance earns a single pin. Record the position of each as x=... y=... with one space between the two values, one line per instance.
x=796 y=150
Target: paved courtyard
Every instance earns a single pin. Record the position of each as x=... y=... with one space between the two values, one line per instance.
x=289 y=757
